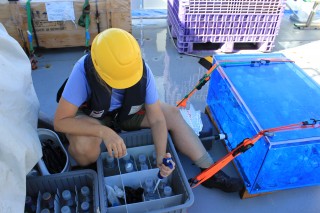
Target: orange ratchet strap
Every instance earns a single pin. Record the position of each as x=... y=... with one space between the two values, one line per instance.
x=201 y=83
x=244 y=146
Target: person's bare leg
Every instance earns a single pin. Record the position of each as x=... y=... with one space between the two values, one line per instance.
x=85 y=150
x=188 y=143
x=184 y=138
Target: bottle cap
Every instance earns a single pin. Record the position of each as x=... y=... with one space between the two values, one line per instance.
x=46 y=196
x=65 y=209
x=85 y=191
x=142 y=158
x=126 y=156
x=129 y=167
x=109 y=158
x=167 y=191
x=66 y=195
x=85 y=206
x=45 y=211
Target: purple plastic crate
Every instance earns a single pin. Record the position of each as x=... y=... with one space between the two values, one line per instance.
x=227 y=29
x=199 y=24
x=199 y=21
x=231 y=6
x=263 y=43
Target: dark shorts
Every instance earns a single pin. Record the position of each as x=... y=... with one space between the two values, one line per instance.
x=131 y=124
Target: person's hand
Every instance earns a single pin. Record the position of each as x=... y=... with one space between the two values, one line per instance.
x=115 y=145
x=165 y=171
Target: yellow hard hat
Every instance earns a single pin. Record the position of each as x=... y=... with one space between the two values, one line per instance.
x=117 y=58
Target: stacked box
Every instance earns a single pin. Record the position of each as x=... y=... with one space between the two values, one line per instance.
x=140 y=142
x=245 y=99
x=225 y=23
x=57 y=34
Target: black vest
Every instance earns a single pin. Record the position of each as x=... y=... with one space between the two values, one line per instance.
x=98 y=103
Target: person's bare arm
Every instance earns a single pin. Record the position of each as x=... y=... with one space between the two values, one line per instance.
x=159 y=131
x=65 y=121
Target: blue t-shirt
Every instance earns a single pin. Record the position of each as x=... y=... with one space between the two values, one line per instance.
x=77 y=90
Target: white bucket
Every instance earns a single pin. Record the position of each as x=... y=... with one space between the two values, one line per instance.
x=45 y=134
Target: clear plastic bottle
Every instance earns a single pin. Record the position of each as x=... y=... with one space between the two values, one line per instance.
x=154 y=160
x=85 y=194
x=85 y=207
x=68 y=198
x=119 y=192
x=110 y=162
x=47 y=201
x=142 y=158
x=110 y=166
x=30 y=205
x=129 y=167
x=167 y=191
x=149 y=188
x=163 y=183
x=127 y=164
x=111 y=196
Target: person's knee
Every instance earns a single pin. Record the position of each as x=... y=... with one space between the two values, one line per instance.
x=171 y=111
x=172 y=115
x=86 y=149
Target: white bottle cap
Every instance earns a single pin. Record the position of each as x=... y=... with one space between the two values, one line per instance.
x=85 y=191
x=85 y=206
x=126 y=156
x=65 y=209
x=142 y=158
x=109 y=158
x=46 y=196
x=129 y=167
x=66 y=195
x=167 y=191
x=45 y=211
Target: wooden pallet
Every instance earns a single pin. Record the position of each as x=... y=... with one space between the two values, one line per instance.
x=58 y=34
x=244 y=194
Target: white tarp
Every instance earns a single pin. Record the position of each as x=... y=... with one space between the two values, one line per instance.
x=20 y=147
x=193 y=118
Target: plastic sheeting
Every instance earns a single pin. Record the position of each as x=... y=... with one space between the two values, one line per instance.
x=193 y=118
x=20 y=147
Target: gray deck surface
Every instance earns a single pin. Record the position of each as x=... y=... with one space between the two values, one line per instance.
x=176 y=74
